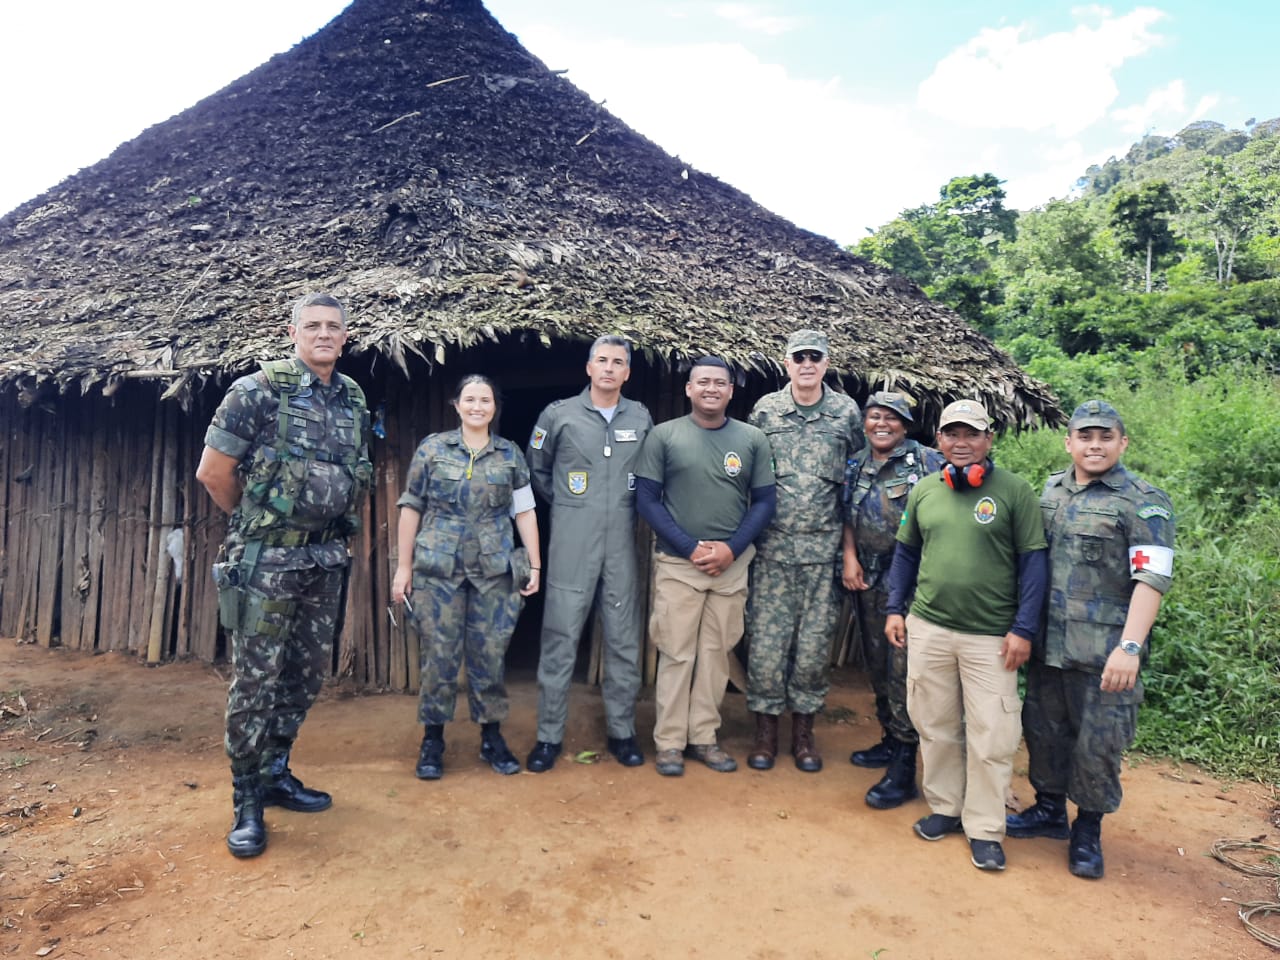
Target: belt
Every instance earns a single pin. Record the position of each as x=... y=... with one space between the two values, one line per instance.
x=300 y=538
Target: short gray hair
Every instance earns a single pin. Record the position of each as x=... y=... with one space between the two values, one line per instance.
x=610 y=340
x=316 y=300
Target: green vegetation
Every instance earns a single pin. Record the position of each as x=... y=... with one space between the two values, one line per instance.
x=1157 y=287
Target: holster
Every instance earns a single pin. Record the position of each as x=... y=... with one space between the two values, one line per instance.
x=226 y=576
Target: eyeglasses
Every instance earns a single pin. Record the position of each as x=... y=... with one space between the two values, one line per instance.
x=813 y=356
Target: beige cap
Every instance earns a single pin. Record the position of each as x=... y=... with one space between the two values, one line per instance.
x=965 y=411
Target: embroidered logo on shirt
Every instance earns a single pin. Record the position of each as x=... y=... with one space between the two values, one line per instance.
x=624 y=436
x=732 y=464
x=985 y=511
x=577 y=482
x=1153 y=510
x=539 y=438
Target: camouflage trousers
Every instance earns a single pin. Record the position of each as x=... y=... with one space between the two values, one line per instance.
x=279 y=659
x=792 y=615
x=1077 y=734
x=459 y=619
x=886 y=664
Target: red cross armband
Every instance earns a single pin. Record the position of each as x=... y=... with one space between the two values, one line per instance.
x=1150 y=558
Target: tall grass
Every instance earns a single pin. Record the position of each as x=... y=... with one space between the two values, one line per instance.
x=1213 y=681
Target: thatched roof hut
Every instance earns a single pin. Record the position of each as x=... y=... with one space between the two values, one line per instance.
x=412 y=158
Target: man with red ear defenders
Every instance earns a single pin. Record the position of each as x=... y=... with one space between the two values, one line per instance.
x=972 y=544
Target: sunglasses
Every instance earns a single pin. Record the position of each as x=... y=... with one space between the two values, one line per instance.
x=813 y=356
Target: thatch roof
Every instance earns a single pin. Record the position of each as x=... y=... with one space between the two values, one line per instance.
x=413 y=158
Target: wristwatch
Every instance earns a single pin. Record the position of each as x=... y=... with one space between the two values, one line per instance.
x=1131 y=647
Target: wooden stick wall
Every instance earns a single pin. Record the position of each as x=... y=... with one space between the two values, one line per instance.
x=96 y=491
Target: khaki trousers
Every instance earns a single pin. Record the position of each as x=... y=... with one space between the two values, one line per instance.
x=965 y=706
x=696 y=621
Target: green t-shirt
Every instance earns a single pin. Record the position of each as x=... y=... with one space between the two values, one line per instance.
x=706 y=475
x=969 y=545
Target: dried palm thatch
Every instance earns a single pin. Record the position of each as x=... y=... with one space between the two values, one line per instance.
x=414 y=159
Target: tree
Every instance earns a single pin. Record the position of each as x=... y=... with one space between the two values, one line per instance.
x=978 y=202
x=1141 y=220
x=1229 y=205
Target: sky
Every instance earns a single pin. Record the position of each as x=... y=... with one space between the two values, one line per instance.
x=836 y=114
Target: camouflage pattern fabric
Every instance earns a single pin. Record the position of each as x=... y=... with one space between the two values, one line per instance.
x=793 y=608
x=792 y=614
x=465 y=599
x=279 y=658
x=1076 y=733
x=810 y=451
x=289 y=599
x=875 y=494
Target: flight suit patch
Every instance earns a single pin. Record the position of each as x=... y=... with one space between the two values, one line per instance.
x=539 y=438
x=625 y=436
x=577 y=482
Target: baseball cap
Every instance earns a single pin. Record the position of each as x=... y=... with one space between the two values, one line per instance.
x=807 y=340
x=1095 y=413
x=970 y=412
x=896 y=402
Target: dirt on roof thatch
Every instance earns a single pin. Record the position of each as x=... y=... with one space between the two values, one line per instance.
x=414 y=159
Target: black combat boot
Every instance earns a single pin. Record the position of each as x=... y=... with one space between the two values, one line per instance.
x=1047 y=817
x=899 y=782
x=280 y=788
x=877 y=756
x=431 y=754
x=248 y=836
x=1084 y=855
x=495 y=752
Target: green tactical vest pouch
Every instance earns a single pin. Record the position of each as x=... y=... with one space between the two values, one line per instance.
x=230 y=595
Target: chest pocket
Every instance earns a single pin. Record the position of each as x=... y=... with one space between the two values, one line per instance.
x=306 y=426
x=499 y=480
x=898 y=491
x=1092 y=535
x=784 y=440
x=445 y=483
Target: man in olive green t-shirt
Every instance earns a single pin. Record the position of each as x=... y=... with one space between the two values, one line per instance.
x=705 y=484
x=972 y=545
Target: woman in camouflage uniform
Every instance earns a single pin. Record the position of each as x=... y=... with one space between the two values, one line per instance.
x=460 y=573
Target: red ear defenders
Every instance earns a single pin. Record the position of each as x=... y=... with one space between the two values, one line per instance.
x=964 y=478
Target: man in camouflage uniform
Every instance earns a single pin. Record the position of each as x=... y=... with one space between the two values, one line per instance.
x=794 y=607
x=287 y=457
x=1110 y=537
x=582 y=456
x=877 y=482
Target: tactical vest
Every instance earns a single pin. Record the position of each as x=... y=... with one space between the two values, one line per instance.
x=278 y=472
x=859 y=481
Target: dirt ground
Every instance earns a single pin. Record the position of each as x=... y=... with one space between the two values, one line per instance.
x=115 y=799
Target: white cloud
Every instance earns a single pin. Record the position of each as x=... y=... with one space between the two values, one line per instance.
x=801 y=148
x=755 y=18
x=1063 y=82
x=1161 y=103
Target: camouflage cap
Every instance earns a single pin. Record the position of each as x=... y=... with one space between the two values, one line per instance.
x=896 y=402
x=1095 y=413
x=970 y=412
x=807 y=340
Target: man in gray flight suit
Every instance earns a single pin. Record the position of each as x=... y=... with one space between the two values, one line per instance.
x=581 y=457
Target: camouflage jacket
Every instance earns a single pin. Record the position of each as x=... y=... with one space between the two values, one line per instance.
x=304 y=463
x=465 y=505
x=1102 y=537
x=875 y=494
x=809 y=455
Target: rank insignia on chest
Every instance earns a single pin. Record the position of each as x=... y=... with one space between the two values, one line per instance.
x=539 y=438
x=577 y=482
x=732 y=464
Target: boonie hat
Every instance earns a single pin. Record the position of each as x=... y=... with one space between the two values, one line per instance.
x=1095 y=413
x=807 y=340
x=896 y=402
x=965 y=411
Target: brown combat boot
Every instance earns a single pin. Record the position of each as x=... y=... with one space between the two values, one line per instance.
x=802 y=746
x=765 y=749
